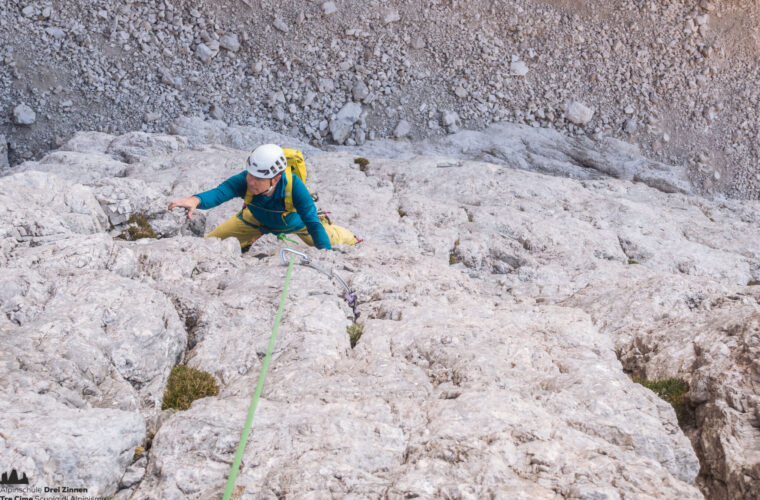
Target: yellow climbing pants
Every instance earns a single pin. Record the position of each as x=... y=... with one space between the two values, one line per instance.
x=247 y=234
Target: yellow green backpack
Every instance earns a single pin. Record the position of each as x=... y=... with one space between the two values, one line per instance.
x=296 y=165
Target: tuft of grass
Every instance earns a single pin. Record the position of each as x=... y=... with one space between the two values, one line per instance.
x=453 y=257
x=672 y=390
x=355 y=332
x=401 y=213
x=753 y=283
x=631 y=261
x=362 y=162
x=139 y=452
x=187 y=384
x=139 y=228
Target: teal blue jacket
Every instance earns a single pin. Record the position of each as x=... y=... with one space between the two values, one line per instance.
x=269 y=210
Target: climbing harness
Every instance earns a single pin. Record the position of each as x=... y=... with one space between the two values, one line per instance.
x=306 y=261
x=255 y=401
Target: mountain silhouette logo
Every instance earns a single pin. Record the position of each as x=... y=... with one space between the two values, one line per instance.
x=12 y=478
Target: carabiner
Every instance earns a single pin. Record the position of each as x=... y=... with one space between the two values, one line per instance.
x=304 y=258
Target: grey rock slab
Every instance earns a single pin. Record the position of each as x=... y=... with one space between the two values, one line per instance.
x=199 y=132
x=38 y=207
x=134 y=330
x=53 y=444
x=74 y=166
x=704 y=332
x=88 y=142
x=466 y=263
x=546 y=151
x=133 y=146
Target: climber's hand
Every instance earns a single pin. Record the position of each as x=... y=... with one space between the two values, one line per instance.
x=190 y=203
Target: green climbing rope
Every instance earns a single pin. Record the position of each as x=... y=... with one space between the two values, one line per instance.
x=259 y=387
x=282 y=237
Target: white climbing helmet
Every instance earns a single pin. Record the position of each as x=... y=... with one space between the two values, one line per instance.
x=266 y=161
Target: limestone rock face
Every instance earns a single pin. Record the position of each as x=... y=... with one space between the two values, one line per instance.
x=502 y=312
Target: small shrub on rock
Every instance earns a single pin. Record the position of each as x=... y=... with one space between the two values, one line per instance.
x=672 y=390
x=138 y=228
x=362 y=162
x=355 y=332
x=187 y=384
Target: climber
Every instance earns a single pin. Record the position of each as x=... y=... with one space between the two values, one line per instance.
x=275 y=201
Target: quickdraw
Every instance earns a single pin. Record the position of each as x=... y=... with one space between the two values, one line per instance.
x=349 y=296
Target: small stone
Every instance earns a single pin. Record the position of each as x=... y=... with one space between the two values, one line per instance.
x=47 y=12
x=702 y=19
x=329 y=8
x=460 y=92
x=449 y=118
x=24 y=115
x=342 y=125
x=402 y=129
x=28 y=11
x=360 y=91
x=326 y=85
x=150 y=116
x=630 y=125
x=579 y=113
x=418 y=42
x=518 y=68
x=716 y=175
x=391 y=17
x=309 y=98
x=280 y=25
x=216 y=112
x=55 y=32
x=230 y=42
x=629 y=110
x=205 y=53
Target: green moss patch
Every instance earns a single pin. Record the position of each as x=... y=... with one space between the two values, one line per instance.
x=631 y=261
x=753 y=283
x=187 y=384
x=672 y=390
x=138 y=228
x=355 y=332
x=362 y=162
